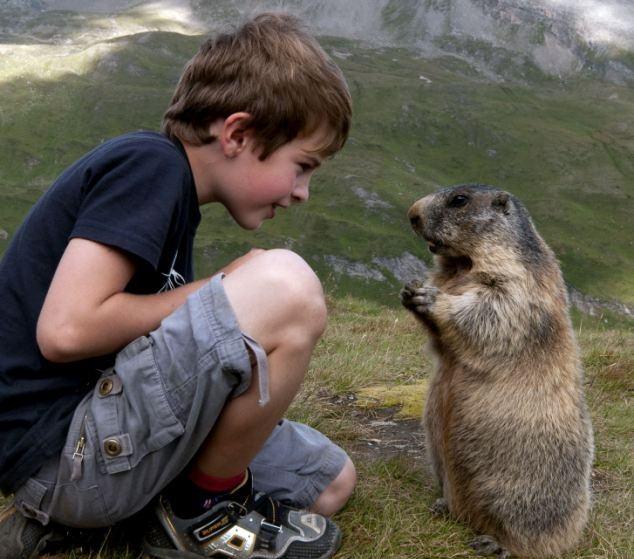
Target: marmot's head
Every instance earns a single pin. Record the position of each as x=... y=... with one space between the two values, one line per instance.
x=472 y=220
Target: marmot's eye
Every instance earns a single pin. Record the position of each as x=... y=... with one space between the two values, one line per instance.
x=458 y=201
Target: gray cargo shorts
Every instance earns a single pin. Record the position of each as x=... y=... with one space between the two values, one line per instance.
x=148 y=415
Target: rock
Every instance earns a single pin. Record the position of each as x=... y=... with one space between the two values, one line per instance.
x=352 y=268
x=594 y=307
x=370 y=199
x=404 y=268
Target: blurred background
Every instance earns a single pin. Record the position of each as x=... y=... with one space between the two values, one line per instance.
x=535 y=97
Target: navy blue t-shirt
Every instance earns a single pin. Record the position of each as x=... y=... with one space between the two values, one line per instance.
x=135 y=192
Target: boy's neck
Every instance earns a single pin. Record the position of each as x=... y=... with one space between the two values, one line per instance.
x=202 y=160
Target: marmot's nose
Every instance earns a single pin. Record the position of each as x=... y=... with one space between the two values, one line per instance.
x=414 y=217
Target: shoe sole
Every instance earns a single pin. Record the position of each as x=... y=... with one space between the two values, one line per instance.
x=151 y=552
x=41 y=544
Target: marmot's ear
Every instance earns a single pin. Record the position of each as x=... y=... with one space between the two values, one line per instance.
x=501 y=202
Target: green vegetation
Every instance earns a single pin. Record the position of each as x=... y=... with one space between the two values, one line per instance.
x=538 y=36
x=367 y=344
x=565 y=148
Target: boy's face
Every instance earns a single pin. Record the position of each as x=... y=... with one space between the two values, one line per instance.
x=254 y=189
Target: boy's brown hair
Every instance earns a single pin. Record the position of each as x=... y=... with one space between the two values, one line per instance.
x=272 y=69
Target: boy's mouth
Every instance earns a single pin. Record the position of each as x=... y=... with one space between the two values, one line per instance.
x=274 y=207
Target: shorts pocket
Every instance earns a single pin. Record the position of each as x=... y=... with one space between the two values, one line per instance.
x=131 y=413
x=80 y=507
x=28 y=499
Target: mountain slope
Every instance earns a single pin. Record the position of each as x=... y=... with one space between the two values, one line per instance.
x=564 y=145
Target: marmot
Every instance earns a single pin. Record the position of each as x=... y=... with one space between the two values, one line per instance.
x=508 y=433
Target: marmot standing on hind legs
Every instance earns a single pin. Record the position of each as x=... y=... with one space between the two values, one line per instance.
x=508 y=433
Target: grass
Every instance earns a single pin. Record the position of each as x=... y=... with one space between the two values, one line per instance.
x=563 y=147
x=369 y=345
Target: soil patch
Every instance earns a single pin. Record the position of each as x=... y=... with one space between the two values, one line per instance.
x=384 y=434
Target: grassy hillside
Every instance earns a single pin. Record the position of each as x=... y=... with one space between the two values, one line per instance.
x=566 y=149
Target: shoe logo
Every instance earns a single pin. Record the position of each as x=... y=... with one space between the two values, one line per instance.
x=211 y=529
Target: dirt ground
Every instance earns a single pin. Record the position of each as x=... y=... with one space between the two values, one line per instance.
x=385 y=435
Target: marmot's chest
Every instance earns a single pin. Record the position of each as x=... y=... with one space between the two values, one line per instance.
x=455 y=284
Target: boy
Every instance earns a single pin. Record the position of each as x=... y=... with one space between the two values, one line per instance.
x=121 y=378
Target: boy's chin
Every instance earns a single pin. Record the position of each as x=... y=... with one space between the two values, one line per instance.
x=249 y=224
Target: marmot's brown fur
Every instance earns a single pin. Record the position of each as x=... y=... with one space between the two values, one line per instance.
x=508 y=433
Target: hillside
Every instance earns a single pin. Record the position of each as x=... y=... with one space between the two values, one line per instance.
x=431 y=109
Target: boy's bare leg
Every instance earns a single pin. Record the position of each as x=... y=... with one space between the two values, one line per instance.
x=279 y=302
x=336 y=495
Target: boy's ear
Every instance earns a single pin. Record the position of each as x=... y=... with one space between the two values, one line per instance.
x=235 y=133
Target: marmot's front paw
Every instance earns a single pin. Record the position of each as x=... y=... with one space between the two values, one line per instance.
x=486 y=545
x=440 y=508
x=417 y=298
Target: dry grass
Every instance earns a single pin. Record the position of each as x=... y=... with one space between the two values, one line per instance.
x=388 y=517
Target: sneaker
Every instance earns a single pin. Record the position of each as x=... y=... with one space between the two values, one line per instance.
x=244 y=527
x=21 y=537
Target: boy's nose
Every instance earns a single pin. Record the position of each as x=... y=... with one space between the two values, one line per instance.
x=300 y=192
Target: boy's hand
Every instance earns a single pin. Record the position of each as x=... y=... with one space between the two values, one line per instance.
x=241 y=260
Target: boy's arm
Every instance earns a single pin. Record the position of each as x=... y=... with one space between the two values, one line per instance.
x=86 y=312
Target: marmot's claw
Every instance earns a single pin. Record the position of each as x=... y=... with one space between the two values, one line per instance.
x=486 y=545
x=417 y=298
x=440 y=508
x=406 y=295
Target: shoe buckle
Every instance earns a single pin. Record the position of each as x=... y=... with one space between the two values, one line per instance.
x=220 y=522
x=270 y=528
x=236 y=542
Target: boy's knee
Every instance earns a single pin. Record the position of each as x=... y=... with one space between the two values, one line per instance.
x=337 y=494
x=292 y=266
x=297 y=288
x=276 y=294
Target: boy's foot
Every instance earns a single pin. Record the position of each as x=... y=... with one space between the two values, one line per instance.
x=21 y=537
x=244 y=526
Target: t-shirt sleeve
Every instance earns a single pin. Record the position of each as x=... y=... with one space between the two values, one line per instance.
x=131 y=198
